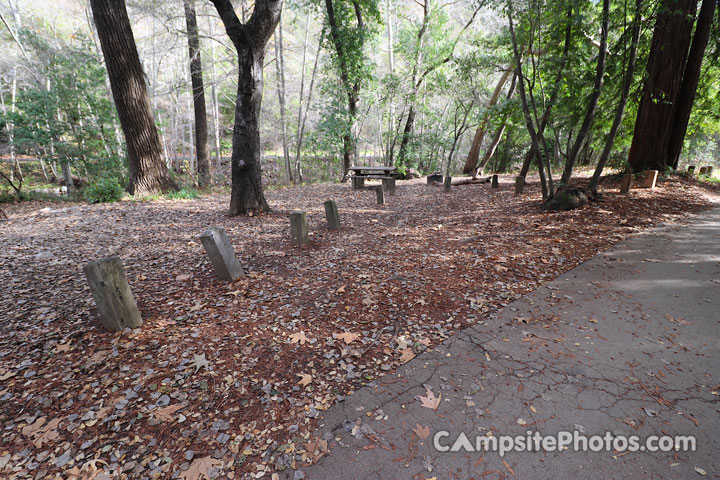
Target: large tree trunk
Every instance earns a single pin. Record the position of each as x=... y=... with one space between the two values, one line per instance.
x=688 y=87
x=666 y=61
x=250 y=39
x=148 y=172
x=196 y=76
x=627 y=83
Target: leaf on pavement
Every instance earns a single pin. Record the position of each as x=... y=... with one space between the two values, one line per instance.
x=430 y=400
x=421 y=431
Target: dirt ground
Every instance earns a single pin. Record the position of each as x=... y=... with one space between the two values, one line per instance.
x=225 y=380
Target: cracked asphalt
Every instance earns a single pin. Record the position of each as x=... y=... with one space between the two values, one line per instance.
x=626 y=343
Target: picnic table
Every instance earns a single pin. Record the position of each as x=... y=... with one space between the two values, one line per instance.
x=386 y=174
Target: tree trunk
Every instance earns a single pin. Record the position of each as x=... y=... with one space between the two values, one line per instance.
x=471 y=163
x=280 y=71
x=688 y=87
x=301 y=126
x=627 y=83
x=196 y=77
x=594 y=97
x=249 y=39
x=666 y=61
x=499 y=132
x=148 y=172
x=535 y=143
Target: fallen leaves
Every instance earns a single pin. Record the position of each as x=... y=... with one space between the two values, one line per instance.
x=166 y=413
x=299 y=337
x=199 y=361
x=347 y=337
x=430 y=400
x=406 y=355
x=40 y=432
x=199 y=469
x=305 y=379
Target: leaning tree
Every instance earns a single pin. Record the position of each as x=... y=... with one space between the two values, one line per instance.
x=148 y=172
x=249 y=39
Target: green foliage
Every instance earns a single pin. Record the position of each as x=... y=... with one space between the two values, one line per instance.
x=104 y=190
x=183 y=194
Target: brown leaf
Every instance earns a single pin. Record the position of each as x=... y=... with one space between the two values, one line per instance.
x=166 y=414
x=430 y=400
x=305 y=379
x=407 y=355
x=299 y=337
x=347 y=337
x=199 y=468
x=421 y=431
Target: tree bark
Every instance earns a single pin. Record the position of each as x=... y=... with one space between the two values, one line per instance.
x=499 y=132
x=196 y=77
x=250 y=40
x=666 y=61
x=627 y=83
x=688 y=87
x=148 y=172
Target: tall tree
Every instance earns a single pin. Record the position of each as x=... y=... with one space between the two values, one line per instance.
x=624 y=93
x=280 y=87
x=688 y=87
x=250 y=39
x=348 y=35
x=666 y=62
x=196 y=77
x=594 y=96
x=148 y=172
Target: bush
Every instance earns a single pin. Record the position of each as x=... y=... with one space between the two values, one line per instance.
x=104 y=190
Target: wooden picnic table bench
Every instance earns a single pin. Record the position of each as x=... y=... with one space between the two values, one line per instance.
x=386 y=174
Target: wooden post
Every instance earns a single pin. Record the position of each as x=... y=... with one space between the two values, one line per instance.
x=709 y=170
x=448 y=183
x=112 y=294
x=703 y=170
x=691 y=169
x=649 y=179
x=331 y=214
x=298 y=228
x=380 y=195
x=627 y=180
x=389 y=185
x=519 y=184
x=495 y=182
x=358 y=182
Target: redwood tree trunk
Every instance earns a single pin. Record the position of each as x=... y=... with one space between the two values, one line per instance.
x=148 y=172
x=196 y=77
x=688 y=87
x=666 y=62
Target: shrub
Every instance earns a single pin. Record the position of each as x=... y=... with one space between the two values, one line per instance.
x=104 y=190
x=184 y=194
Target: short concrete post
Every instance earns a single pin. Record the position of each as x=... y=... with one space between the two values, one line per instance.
x=703 y=170
x=448 y=183
x=221 y=254
x=519 y=185
x=691 y=169
x=358 y=182
x=380 y=195
x=331 y=214
x=709 y=170
x=298 y=228
x=627 y=180
x=495 y=182
x=112 y=294
x=389 y=185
